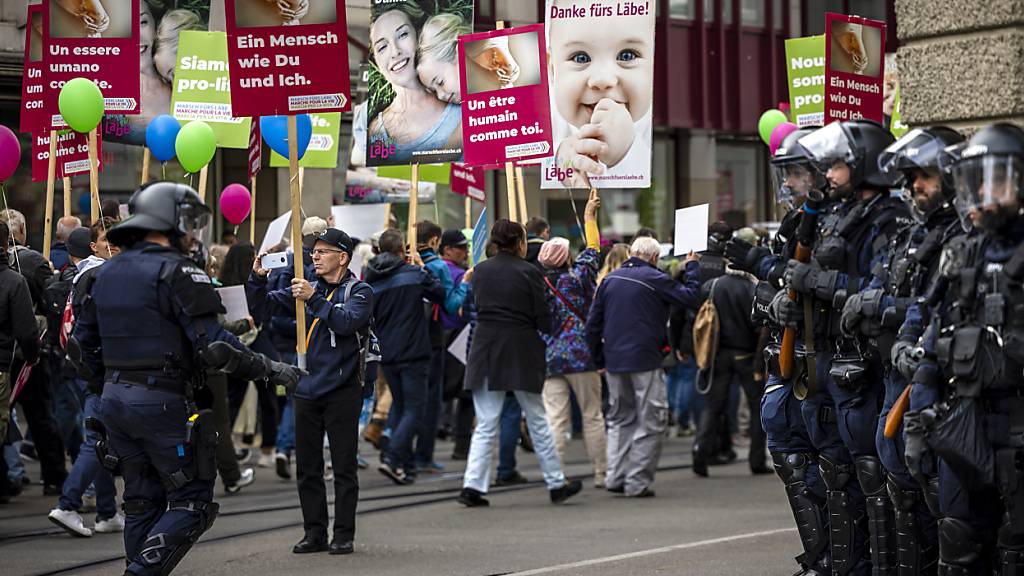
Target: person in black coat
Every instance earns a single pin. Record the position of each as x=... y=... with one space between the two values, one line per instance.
x=508 y=354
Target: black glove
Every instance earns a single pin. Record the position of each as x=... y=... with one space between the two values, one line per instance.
x=744 y=255
x=282 y=374
x=801 y=278
x=786 y=312
x=904 y=360
x=850 y=321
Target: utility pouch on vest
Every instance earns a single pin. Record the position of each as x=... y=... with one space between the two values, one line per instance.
x=958 y=436
x=849 y=370
x=995 y=309
x=831 y=253
x=966 y=354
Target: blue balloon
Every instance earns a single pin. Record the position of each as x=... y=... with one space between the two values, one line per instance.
x=275 y=133
x=161 y=135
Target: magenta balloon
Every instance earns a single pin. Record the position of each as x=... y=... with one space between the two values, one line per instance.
x=779 y=134
x=10 y=152
x=235 y=202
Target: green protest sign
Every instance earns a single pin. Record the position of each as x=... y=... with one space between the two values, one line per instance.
x=437 y=173
x=896 y=125
x=202 y=89
x=805 y=69
x=323 y=145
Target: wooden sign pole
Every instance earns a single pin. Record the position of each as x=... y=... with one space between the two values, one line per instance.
x=469 y=212
x=51 y=177
x=414 y=202
x=293 y=178
x=252 y=213
x=510 y=184
x=94 y=178
x=387 y=215
x=67 y=195
x=521 y=190
x=202 y=182
x=146 y=155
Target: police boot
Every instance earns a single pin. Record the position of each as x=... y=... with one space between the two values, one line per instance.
x=881 y=525
x=915 y=554
x=848 y=525
x=961 y=549
x=808 y=511
x=165 y=550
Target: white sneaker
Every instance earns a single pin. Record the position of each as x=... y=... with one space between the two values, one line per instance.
x=266 y=461
x=70 y=521
x=110 y=525
x=247 y=478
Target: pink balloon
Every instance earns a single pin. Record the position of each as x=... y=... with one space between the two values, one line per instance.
x=10 y=152
x=779 y=134
x=235 y=202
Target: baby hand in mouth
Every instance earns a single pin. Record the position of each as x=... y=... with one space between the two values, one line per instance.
x=609 y=135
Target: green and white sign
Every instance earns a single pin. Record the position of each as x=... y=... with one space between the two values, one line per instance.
x=202 y=88
x=896 y=124
x=323 y=144
x=805 y=69
x=437 y=173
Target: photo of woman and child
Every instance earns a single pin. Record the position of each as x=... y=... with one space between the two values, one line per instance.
x=601 y=72
x=414 y=112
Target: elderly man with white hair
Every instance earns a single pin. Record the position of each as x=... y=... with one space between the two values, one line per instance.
x=59 y=251
x=627 y=335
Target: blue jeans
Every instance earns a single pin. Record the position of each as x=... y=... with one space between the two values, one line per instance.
x=511 y=413
x=682 y=396
x=286 y=429
x=67 y=412
x=427 y=434
x=408 y=383
x=87 y=470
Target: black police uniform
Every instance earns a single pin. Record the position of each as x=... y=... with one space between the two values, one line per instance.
x=153 y=313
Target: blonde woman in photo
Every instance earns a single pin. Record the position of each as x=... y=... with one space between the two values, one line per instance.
x=156 y=94
x=437 y=62
x=165 y=48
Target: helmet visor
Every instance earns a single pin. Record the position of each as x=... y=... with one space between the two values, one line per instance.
x=828 y=145
x=193 y=218
x=988 y=182
x=916 y=150
x=793 y=180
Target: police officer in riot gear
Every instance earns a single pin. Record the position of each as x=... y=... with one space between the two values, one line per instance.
x=977 y=429
x=793 y=455
x=888 y=316
x=149 y=331
x=841 y=416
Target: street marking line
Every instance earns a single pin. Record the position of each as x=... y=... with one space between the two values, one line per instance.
x=651 y=552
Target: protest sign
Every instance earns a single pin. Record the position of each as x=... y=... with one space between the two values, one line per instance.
x=479 y=241
x=33 y=84
x=589 y=111
x=202 y=88
x=691 y=229
x=854 y=68
x=235 y=303
x=413 y=113
x=283 y=62
x=805 y=70
x=437 y=173
x=323 y=145
x=891 y=98
x=275 y=231
x=360 y=221
x=468 y=181
x=99 y=42
x=460 y=346
x=505 y=108
x=72 y=154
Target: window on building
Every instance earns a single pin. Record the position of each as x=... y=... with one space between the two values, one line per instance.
x=709 y=11
x=752 y=13
x=682 y=9
x=873 y=9
x=777 y=14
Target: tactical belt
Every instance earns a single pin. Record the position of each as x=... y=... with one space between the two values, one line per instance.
x=146 y=379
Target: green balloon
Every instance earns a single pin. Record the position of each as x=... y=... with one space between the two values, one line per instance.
x=196 y=144
x=81 y=104
x=769 y=120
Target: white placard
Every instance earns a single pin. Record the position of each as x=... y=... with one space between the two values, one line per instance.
x=359 y=220
x=691 y=229
x=275 y=231
x=233 y=298
x=460 y=347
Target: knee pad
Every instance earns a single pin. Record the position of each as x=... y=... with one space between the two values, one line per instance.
x=931 y=496
x=165 y=550
x=959 y=544
x=835 y=474
x=871 y=475
x=807 y=511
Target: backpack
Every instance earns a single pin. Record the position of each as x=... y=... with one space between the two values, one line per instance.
x=56 y=296
x=369 y=350
x=706 y=328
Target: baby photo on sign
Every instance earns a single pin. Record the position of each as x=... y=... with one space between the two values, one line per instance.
x=856 y=49
x=253 y=13
x=601 y=72
x=414 y=112
x=90 y=18
x=503 y=62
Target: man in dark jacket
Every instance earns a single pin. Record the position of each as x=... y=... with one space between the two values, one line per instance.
x=329 y=399
x=538 y=231
x=19 y=336
x=626 y=332
x=732 y=294
x=399 y=289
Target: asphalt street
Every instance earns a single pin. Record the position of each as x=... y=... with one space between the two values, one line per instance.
x=731 y=523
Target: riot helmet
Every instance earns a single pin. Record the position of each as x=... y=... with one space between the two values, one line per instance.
x=793 y=173
x=167 y=207
x=915 y=163
x=989 y=176
x=854 y=143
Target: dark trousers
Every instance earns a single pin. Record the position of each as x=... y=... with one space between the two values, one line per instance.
x=36 y=401
x=337 y=415
x=215 y=397
x=731 y=366
x=267 y=402
x=408 y=384
x=427 y=433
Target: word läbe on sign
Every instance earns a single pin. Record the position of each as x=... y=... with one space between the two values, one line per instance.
x=283 y=69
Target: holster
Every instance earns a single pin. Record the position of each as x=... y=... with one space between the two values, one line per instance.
x=849 y=371
x=110 y=462
x=205 y=446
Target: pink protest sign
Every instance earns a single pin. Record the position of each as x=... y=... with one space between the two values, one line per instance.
x=33 y=111
x=854 y=68
x=72 y=154
x=96 y=41
x=506 y=114
x=468 y=181
x=287 y=61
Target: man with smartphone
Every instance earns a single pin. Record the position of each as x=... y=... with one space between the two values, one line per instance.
x=329 y=399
